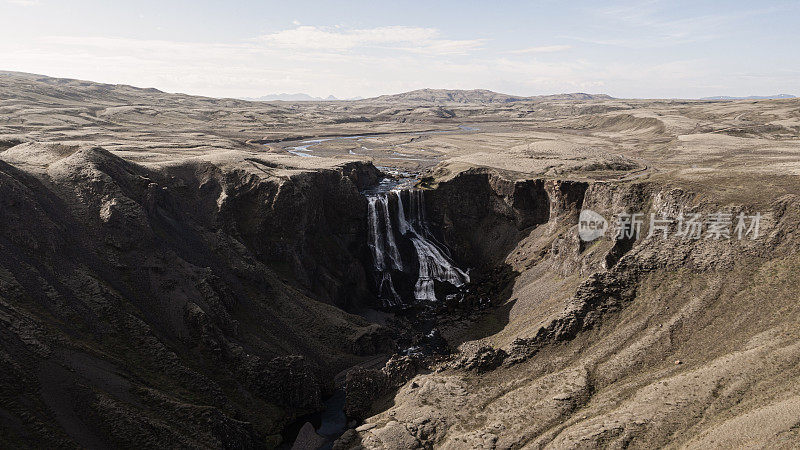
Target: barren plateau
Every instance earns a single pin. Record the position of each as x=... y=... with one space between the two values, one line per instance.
x=190 y=272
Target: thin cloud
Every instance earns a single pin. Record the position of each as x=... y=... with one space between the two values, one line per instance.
x=348 y=62
x=541 y=49
x=245 y=68
x=646 y=25
x=415 y=39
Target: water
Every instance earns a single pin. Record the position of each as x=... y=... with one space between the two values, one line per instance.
x=396 y=218
x=333 y=420
x=385 y=255
x=306 y=150
x=430 y=261
x=303 y=150
x=329 y=423
x=399 y=179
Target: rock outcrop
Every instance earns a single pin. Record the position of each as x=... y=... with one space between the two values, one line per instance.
x=172 y=304
x=616 y=341
x=365 y=386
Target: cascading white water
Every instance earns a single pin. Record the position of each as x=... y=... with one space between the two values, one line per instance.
x=381 y=237
x=432 y=260
x=386 y=286
x=375 y=242
x=433 y=263
x=394 y=254
x=419 y=221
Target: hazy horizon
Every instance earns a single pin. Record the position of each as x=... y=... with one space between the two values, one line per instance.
x=357 y=49
x=296 y=96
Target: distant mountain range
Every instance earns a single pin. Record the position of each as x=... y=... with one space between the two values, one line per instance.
x=300 y=97
x=443 y=96
x=752 y=97
x=435 y=96
x=476 y=96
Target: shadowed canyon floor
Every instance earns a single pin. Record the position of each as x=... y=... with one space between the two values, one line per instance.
x=193 y=272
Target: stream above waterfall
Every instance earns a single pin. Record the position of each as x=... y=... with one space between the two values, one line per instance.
x=330 y=146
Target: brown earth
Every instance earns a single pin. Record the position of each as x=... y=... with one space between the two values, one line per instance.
x=171 y=276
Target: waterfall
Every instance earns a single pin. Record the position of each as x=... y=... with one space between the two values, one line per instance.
x=375 y=242
x=387 y=292
x=381 y=237
x=394 y=254
x=433 y=261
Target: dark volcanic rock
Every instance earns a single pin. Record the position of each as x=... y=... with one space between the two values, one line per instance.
x=163 y=306
x=364 y=386
x=481 y=215
x=372 y=340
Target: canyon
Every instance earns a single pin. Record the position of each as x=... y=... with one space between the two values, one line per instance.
x=172 y=275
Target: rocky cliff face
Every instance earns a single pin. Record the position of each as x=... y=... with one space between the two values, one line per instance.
x=202 y=304
x=172 y=304
x=308 y=226
x=616 y=342
x=482 y=216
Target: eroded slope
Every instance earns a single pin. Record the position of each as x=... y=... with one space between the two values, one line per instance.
x=673 y=342
x=171 y=305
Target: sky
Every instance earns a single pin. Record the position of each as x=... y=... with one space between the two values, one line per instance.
x=643 y=49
